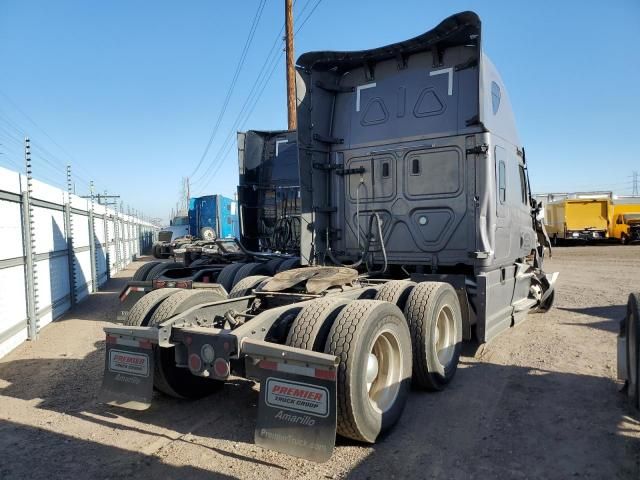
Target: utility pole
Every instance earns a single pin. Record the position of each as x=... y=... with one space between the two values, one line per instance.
x=291 y=73
x=635 y=182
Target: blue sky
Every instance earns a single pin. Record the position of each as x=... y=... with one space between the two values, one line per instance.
x=129 y=91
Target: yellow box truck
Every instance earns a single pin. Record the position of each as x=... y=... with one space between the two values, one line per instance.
x=625 y=222
x=578 y=219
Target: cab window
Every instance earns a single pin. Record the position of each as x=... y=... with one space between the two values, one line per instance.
x=523 y=186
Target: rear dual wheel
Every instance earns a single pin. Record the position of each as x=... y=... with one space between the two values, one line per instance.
x=168 y=378
x=152 y=310
x=141 y=273
x=162 y=267
x=373 y=346
x=433 y=313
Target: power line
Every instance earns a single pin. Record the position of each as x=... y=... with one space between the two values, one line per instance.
x=225 y=104
x=240 y=123
x=51 y=157
x=263 y=76
x=225 y=149
x=308 y=16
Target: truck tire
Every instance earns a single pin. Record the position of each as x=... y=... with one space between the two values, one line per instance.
x=245 y=286
x=370 y=396
x=181 y=301
x=396 y=292
x=167 y=377
x=162 y=267
x=143 y=309
x=368 y=294
x=249 y=269
x=435 y=321
x=154 y=251
x=227 y=274
x=310 y=328
x=632 y=321
x=289 y=264
x=199 y=262
x=141 y=273
x=273 y=265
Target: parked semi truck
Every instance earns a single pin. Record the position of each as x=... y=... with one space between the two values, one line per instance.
x=209 y=217
x=269 y=209
x=269 y=190
x=178 y=228
x=578 y=219
x=213 y=216
x=417 y=232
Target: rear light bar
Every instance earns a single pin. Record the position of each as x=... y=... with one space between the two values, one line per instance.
x=172 y=284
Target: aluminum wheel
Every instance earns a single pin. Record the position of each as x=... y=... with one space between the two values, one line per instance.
x=444 y=337
x=384 y=371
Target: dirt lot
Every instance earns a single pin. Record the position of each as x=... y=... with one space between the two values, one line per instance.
x=541 y=401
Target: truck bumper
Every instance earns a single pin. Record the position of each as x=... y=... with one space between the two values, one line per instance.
x=586 y=235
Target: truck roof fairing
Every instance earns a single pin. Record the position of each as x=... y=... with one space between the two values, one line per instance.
x=493 y=110
x=459 y=29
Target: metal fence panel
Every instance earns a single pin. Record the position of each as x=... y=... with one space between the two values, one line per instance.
x=43 y=210
x=10 y=230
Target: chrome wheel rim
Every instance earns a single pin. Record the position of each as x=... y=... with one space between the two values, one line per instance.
x=384 y=371
x=444 y=337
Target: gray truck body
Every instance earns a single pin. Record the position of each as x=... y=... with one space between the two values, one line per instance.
x=422 y=134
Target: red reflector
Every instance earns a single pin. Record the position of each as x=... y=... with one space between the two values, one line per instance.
x=194 y=362
x=205 y=280
x=221 y=367
x=188 y=340
x=111 y=339
x=268 y=365
x=326 y=374
x=145 y=344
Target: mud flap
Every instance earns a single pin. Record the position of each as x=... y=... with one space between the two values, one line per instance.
x=297 y=407
x=128 y=372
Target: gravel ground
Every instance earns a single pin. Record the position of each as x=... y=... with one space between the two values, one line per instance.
x=540 y=401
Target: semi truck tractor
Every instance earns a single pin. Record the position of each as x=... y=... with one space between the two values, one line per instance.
x=178 y=228
x=209 y=217
x=268 y=208
x=417 y=233
x=213 y=216
x=269 y=190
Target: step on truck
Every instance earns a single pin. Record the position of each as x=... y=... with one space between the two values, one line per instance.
x=417 y=233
